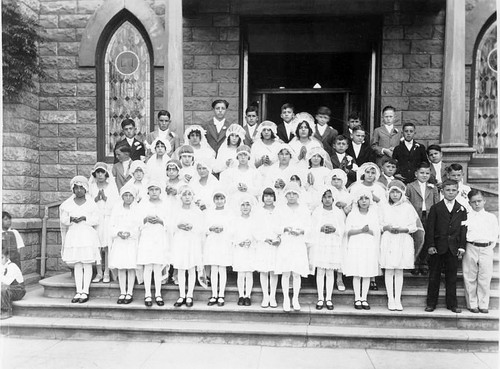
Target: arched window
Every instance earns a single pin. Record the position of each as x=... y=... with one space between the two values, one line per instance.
x=485 y=134
x=125 y=77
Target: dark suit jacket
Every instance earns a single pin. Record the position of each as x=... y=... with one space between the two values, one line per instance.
x=137 y=149
x=366 y=153
x=119 y=174
x=250 y=140
x=327 y=139
x=346 y=165
x=281 y=130
x=416 y=198
x=214 y=139
x=446 y=230
x=409 y=160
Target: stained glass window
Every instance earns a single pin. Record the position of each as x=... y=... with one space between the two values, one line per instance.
x=486 y=99
x=127 y=84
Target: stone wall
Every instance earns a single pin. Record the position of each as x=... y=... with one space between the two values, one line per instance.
x=412 y=70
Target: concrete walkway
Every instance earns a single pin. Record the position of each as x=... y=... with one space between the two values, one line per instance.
x=52 y=354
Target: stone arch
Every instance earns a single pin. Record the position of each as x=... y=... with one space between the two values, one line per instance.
x=105 y=13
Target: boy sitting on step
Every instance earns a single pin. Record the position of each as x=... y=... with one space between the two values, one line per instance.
x=12 y=284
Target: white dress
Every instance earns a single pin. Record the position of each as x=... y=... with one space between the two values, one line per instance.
x=218 y=249
x=244 y=229
x=275 y=172
x=157 y=168
x=316 y=190
x=80 y=240
x=376 y=189
x=123 y=252
x=223 y=155
x=153 y=240
x=231 y=177
x=362 y=250
x=397 y=250
x=187 y=250
x=105 y=208
x=292 y=252
x=203 y=194
x=326 y=249
x=265 y=257
x=260 y=149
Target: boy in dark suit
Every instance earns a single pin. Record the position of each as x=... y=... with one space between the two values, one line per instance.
x=252 y=119
x=409 y=154
x=358 y=148
x=285 y=130
x=137 y=149
x=341 y=160
x=216 y=128
x=438 y=169
x=445 y=242
x=386 y=137
x=322 y=131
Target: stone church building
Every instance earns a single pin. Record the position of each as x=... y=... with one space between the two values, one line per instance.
x=434 y=60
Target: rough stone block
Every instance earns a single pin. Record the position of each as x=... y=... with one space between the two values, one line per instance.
x=53 y=250
x=197 y=103
x=77 y=103
x=77 y=130
x=234 y=116
x=205 y=61
x=393 y=33
x=198 y=20
x=20 y=139
x=63 y=184
x=188 y=89
x=226 y=47
x=435 y=118
x=229 y=34
x=49 y=197
x=418 y=32
x=58 y=144
x=427 y=46
x=226 y=75
x=20 y=168
x=60 y=34
x=50 y=76
x=58 y=7
x=20 y=153
x=188 y=118
x=422 y=89
x=86 y=117
x=391 y=89
x=426 y=75
x=400 y=103
x=425 y=103
x=428 y=132
x=395 y=75
x=187 y=35
x=48 y=49
x=74 y=20
x=88 y=6
x=229 y=62
x=49 y=130
x=86 y=89
x=77 y=157
x=396 y=47
x=53 y=238
x=437 y=61
x=57 y=170
x=85 y=170
x=438 y=32
x=19 y=125
x=197 y=48
x=205 y=34
x=48 y=184
x=17 y=182
x=226 y=20
x=229 y=89
x=48 y=103
x=49 y=62
x=87 y=144
x=419 y=118
x=68 y=48
x=57 y=89
x=416 y=61
x=188 y=61
x=20 y=196
x=22 y=210
x=48 y=21
x=201 y=117
x=57 y=117
x=49 y=157
x=197 y=75
x=77 y=75
x=205 y=89
x=66 y=62
x=392 y=61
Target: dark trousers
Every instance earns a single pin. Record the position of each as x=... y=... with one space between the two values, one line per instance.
x=436 y=263
x=11 y=293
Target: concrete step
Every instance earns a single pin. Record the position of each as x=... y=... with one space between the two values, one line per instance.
x=62 y=286
x=36 y=305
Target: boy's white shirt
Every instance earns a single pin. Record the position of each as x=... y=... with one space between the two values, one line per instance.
x=389 y=127
x=409 y=144
x=130 y=141
x=423 y=186
x=356 y=147
x=17 y=236
x=251 y=129
x=219 y=124
x=288 y=127
x=482 y=226
x=321 y=129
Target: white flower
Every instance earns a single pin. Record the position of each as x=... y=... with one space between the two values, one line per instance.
x=430 y=185
x=137 y=144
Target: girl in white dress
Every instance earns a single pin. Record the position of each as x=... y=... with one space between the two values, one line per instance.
x=157 y=162
x=267 y=248
x=367 y=178
x=397 y=251
x=266 y=146
x=102 y=188
x=138 y=180
x=188 y=228
x=218 y=249
x=327 y=230
x=195 y=137
x=188 y=166
x=125 y=227
x=80 y=241
x=244 y=236
x=152 y=251
x=227 y=152
x=362 y=232
x=204 y=185
x=291 y=258
x=317 y=175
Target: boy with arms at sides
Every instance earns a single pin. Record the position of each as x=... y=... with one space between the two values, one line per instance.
x=216 y=127
x=137 y=149
x=422 y=195
x=121 y=170
x=445 y=243
x=409 y=154
x=164 y=133
x=323 y=132
x=252 y=119
x=386 y=137
x=341 y=160
x=358 y=148
x=477 y=264
x=438 y=169
x=456 y=172
x=286 y=129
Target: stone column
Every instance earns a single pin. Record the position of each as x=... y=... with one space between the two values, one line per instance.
x=173 y=82
x=453 y=138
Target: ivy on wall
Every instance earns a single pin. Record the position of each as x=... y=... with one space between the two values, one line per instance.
x=20 y=40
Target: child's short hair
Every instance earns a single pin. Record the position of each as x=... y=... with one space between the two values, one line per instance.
x=128 y=122
x=388 y=107
x=409 y=125
x=309 y=128
x=220 y=101
x=434 y=147
x=163 y=112
x=354 y=115
x=124 y=149
x=296 y=178
x=6 y=214
x=454 y=167
x=358 y=128
x=288 y=106
x=269 y=191
x=340 y=138
x=219 y=195
x=325 y=193
x=450 y=182
x=324 y=110
x=424 y=165
x=252 y=108
x=390 y=161
x=474 y=192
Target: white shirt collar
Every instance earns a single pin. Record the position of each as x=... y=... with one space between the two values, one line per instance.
x=130 y=141
x=321 y=128
x=409 y=145
x=219 y=124
x=389 y=128
x=251 y=129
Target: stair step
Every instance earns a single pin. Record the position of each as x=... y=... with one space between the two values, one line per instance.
x=263 y=334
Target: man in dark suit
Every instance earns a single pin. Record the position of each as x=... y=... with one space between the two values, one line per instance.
x=285 y=130
x=216 y=128
x=252 y=119
x=445 y=241
x=359 y=148
x=409 y=154
x=137 y=149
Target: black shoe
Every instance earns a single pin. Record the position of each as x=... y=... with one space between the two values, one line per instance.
x=484 y=311
x=75 y=299
x=128 y=299
x=220 y=301
x=455 y=309
x=365 y=305
x=121 y=299
x=189 y=302
x=212 y=301
x=373 y=286
x=180 y=301
x=474 y=310
x=329 y=304
x=159 y=301
x=84 y=298
x=430 y=309
x=247 y=301
x=241 y=301
x=148 y=301
x=357 y=305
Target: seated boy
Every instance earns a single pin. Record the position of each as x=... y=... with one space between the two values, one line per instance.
x=252 y=119
x=323 y=132
x=11 y=239
x=445 y=243
x=137 y=149
x=386 y=137
x=358 y=148
x=438 y=169
x=121 y=170
x=285 y=130
x=341 y=160
x=456 y=173
x=477 y=264
x=409 y=154
x=12 y=284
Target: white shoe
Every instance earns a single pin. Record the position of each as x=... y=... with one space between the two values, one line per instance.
x=286 y=306
x=273 y=303
x=398 y=306
x=265 y=302
x=391 y=305
x=296 y=305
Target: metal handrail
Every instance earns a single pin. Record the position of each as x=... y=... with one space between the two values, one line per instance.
x=43 y=251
